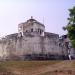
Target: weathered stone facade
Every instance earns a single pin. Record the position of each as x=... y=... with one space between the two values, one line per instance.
x=31 y=40
x=67 y=49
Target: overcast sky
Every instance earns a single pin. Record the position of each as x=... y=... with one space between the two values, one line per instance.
x=53 y=13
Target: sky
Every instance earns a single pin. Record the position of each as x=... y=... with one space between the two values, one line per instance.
x=53 y=13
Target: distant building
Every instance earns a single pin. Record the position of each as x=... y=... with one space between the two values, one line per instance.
x=32 y=42
x=67 y=47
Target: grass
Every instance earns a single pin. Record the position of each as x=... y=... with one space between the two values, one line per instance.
x=37 y=67
x=67 y=68
x=25 y=64
x=20 y=66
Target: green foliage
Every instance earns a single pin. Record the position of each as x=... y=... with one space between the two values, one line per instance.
x=71 y=26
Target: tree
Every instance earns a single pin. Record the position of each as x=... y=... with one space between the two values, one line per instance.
x=71 y=26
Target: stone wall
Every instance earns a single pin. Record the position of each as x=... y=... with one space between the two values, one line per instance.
x=28 y=44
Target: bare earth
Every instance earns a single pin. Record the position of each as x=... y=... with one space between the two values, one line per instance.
x=37 y=68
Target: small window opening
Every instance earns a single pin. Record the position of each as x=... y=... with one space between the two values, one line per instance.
x=40 y=31
x=26 y=30
x=32 y=30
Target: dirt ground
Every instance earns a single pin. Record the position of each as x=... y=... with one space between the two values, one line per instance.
x=38 y=68
x=62 y=68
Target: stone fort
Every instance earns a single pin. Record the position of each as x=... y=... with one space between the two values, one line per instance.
x=32 y=42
